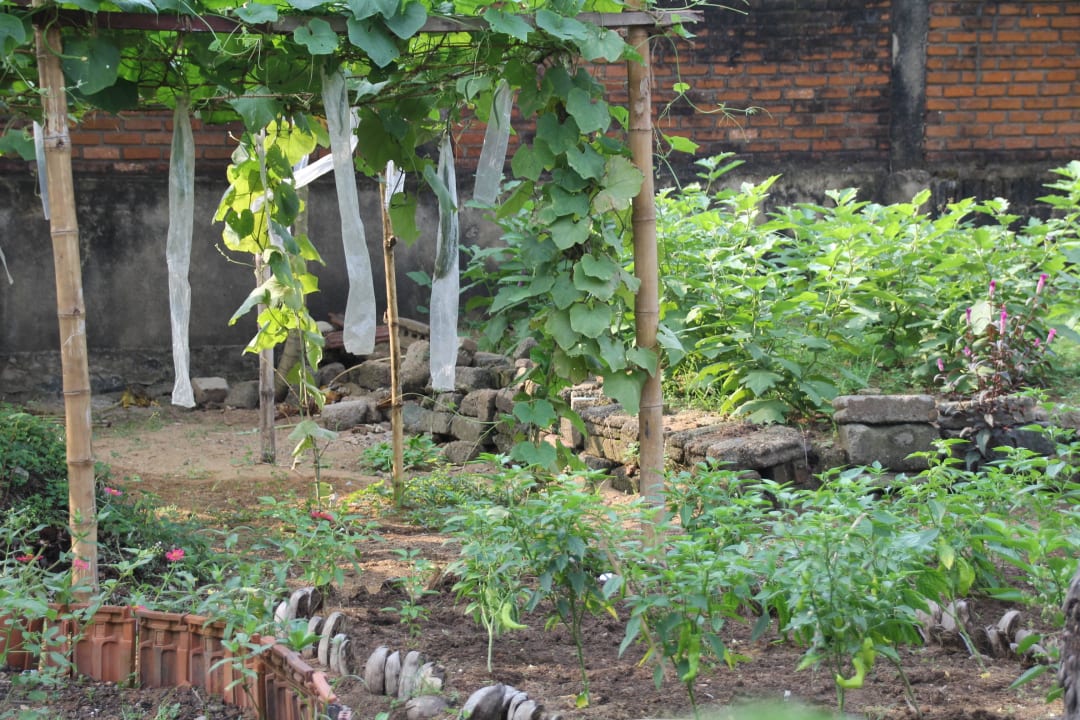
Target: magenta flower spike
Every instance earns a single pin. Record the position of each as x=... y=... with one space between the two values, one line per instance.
x=1004 y=318
x=968 y=313
x=993 y=287
x=1050 y=335
x=1041 y=284
x=940 y=365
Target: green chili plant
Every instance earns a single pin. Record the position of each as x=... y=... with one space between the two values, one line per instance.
x=681 y=593
x=490 y=570
x=849 y=577
x=414 y=586
x=563 y=533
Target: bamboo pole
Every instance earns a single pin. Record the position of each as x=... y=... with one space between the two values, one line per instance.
x=647 y=301
x=70 y=309
x=397 y=438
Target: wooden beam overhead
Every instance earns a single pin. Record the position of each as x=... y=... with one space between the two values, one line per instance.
x=287 y=25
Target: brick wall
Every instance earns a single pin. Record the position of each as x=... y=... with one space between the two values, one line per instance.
x=1003 y=81
x=815 y=73
x=1002 y=84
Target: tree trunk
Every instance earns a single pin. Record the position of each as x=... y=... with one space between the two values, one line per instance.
x=1069 y=673
x=647 y=301
x=70 y=310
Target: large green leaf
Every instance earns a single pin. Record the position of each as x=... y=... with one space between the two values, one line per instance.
x=121 y=95
x=558 y=327
x=540 y=413
x=508 y=24
x=625 y=389
x=256 y=13
x=14 y=29
x=408 y=21
x=18 y=140
x=590 y=320
x=564 y=28
x=317 y=36
x=559 y=137
x=603 y=44
x=586 y=162
x=601 y=288
x=590 y=116
x=91 y=64
x=373 y=40
x=257 y=108
x=305 y=5
x=622 y=183
x=567 y=232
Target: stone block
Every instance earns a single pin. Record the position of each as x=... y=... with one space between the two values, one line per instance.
x=504 y=400
x=350 y=413
x=332 y=373
x=459 y=452
x=470 y=429
x=371 y=374
x=765 y=448
x=209 y=390
x=468 y=379
x=422 y=421
x=884 y=409
x=480 y=404
x=889 y=445
x=244 y=395
x=415 y=372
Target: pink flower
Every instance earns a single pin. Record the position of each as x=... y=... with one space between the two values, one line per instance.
x=175 y=555
x=113 y=491
x=1050 y=336
x=1004 y=318
x=80 y=564
x=968 y=313
x=940 y=365
x=993 y=287
x=967 y=352
x=321 y=515
x=1041 y=284
x=26 y=558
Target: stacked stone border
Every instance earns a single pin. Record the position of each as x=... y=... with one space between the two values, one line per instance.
x=869 y=428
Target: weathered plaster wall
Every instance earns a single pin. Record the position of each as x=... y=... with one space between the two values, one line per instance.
x=123 y=221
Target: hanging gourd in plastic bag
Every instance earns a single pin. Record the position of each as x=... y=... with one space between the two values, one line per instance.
x=489 y=169
x=178 y=249
x=359 y=332
x=445 y=283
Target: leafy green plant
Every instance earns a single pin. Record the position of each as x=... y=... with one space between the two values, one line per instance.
x=490 y=570
x=779 y=313
x=414 y=586
x=419 y=452
x=846 y=577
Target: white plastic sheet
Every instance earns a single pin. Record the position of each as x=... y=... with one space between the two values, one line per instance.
x=178 y=249
x=489 y=168
x=445 y=284
x=43 y=175
x=359 y=332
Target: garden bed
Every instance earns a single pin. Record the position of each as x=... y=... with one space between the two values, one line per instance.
x=200 y=462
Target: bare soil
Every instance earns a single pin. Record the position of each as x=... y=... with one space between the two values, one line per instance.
x=205 y=463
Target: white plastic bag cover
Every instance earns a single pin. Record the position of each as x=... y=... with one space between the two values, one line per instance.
x=178 y=248
x=489 y=169
x=43 y=175
x=445 y=282
x=359 y=331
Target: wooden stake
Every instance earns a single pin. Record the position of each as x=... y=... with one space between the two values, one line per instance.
x=397 y=432
x=70 y=310
x=647 y=301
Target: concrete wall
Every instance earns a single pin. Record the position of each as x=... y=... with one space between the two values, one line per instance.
x=123 y=221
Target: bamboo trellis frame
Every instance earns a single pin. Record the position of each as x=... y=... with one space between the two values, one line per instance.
x=71 y=310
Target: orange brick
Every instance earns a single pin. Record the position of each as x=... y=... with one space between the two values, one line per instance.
x=101 y=153
x=144 y=152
